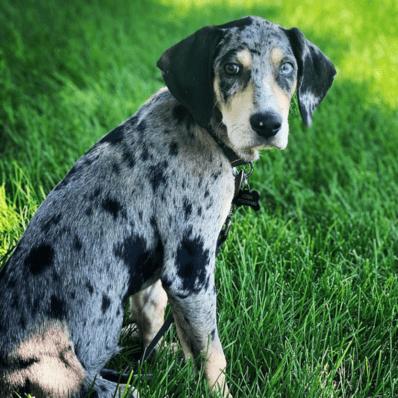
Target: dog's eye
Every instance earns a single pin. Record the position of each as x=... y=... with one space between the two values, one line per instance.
x=286 y=68
x=232 y=69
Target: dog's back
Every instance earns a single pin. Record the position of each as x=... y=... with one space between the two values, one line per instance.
x=91 y=244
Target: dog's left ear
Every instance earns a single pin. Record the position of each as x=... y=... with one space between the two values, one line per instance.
x=315 y=73
x=187 y=70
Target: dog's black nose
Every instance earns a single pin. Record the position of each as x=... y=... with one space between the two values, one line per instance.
x=266 y=124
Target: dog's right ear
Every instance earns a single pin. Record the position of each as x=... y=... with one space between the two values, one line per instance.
x=187 y=70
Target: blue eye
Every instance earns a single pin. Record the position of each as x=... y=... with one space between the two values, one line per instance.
x=286 y=68
x=232 y=69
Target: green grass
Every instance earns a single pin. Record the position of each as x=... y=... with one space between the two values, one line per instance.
x=308 y=288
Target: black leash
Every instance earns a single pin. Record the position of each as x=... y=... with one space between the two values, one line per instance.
x=123 y=377
x=243 y=196
x=162 y=331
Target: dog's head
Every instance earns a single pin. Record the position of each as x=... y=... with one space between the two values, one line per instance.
x=244 y=74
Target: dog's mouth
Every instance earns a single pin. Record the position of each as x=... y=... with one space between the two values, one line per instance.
x=277 y=145
x=276 y=142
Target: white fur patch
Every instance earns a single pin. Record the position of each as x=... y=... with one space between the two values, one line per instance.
x=310 y=102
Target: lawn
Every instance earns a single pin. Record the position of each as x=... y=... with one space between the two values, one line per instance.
x=308 y=287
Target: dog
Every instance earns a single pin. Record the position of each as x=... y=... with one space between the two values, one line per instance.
x=138 y=216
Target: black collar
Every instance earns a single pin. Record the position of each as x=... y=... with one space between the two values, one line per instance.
x=230 y=154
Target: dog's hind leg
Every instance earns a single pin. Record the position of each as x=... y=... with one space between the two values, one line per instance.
x=148 y=308
x=45 y=365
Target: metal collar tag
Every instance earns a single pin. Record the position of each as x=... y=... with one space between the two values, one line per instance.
x=244 y=196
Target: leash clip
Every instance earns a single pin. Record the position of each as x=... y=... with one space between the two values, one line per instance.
x=242 y=178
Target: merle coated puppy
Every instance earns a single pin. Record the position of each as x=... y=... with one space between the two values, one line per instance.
x=141 y=212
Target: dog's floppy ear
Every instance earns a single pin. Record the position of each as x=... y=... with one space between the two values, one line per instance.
x=187 y=70
x=315 y=73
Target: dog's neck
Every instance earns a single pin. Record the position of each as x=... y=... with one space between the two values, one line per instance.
x=218 y=131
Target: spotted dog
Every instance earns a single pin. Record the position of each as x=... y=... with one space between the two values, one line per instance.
x=139 y=214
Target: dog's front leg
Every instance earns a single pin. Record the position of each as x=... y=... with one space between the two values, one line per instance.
x=189 y=282
x=191 y=338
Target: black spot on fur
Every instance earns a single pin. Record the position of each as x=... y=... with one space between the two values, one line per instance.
x=89 y=287
x=144 y=154
x=216 y=175
x=20 y=363
x=191 y=261
x=40 y=258
x=285 y=82
x=207 y=193
x=112 y=206
x=88 y=211
x=128 y=157
x=141 y=262
x=95 y=194
x=140 y=215
x=106 y=302
x=51 y=222
x=173 y=149
x=115 y=168
x=62 y=358
x=187 y=208
x=157 y=175
x=199 y=212
x=77 y=243
x=57 y=308
x=213 y=334
x=114 y=137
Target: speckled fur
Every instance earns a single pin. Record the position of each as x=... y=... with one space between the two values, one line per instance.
x=146 y=203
